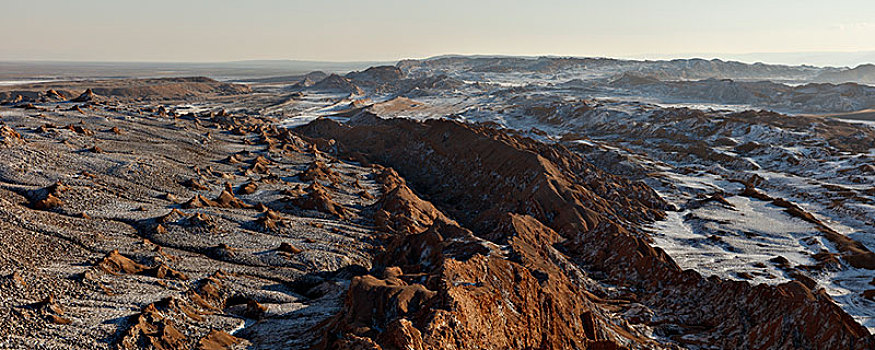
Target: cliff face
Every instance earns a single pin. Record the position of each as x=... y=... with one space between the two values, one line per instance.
x=441 y=286
x=512 y=243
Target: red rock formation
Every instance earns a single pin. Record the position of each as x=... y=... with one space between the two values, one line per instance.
x=319 y=171
x=261 y=160
x=194 y=184
x=199 y=201
x=49 y=309
x=224 y=200
x=559 y=219
x=217 y=340
x=318 y=199
x=79 y=129
x=47 y=198
x=9 y=136
x=257 y=168
x=52 y=94
x=151 y=329
x=210 y=294
x=175 y=322
x=115 y=263
x=266 y=223
x=404 y=211
x=48 y=203
x=87 y=96
x=227 y=200
x=473 y=298
x=294 y=192
x=560 y=184
x=248 y=188
x=288 y=248
x=463 y=277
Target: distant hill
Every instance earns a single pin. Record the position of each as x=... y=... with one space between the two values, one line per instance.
x=807 y=98
x=677 y=69
x=812 y=58
x=864 y=74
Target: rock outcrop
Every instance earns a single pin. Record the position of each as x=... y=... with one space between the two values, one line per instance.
x=318 y=198
x=115 y=263
x=338 y=84
x=87 y=96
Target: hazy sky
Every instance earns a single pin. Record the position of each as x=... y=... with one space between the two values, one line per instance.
x=340 y=30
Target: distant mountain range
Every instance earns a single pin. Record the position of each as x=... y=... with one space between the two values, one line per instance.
x=789 y=89
x=545 y=68
x=808 y=98
x=677 y=69
x=820 y=59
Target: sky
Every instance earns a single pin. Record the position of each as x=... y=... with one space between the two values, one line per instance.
x=388 y=30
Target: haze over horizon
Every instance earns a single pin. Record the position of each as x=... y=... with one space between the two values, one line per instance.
x=782 y=31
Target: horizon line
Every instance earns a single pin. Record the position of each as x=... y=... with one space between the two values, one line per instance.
x=631 y=57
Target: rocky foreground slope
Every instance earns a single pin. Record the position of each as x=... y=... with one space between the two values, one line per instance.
x=133 y=225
